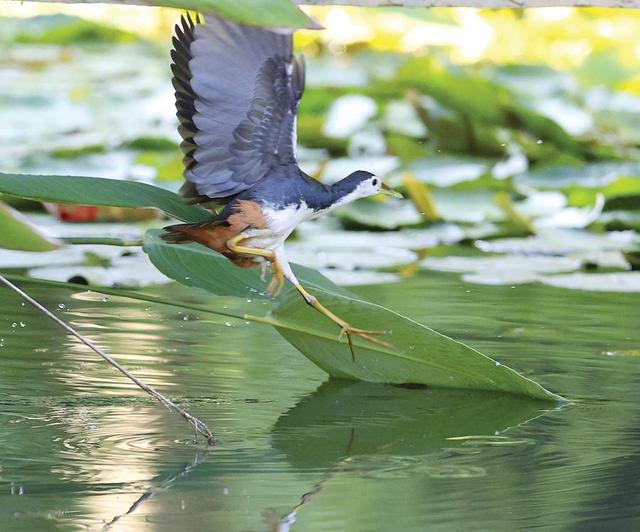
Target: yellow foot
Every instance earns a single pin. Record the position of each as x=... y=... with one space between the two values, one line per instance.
x=366 y=334
x=345 y=329
x=277 y=280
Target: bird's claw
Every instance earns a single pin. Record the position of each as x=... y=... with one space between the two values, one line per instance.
x=277 y=281
x=366 y=334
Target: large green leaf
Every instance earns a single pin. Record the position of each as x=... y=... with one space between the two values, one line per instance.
x=196 y=265
x=99 y=191
x=18 y=233
x=269 y=13
x=420 y=354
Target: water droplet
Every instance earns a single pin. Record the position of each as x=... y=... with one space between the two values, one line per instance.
x=186 y=317
x=61 y=306
x=23 y=324
x=105 y=299
x=539 y=141
x=187 y=278
x=498 y=364
x=1 y=342
x=247 y=323
x=228 y=324
x=249 y=300
x=14 y=325
x=22 y=304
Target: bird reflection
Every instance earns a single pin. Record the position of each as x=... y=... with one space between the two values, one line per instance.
x=383 y=429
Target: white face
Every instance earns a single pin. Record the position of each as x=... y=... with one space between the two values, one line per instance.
x=369 y=187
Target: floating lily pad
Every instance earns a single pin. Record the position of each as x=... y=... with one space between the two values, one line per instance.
x=597 y=282
x=502 y=270
x=370 y=257
x=445 y=171
x=359 y=277
x=67 y=256
x=326 y=234
x=130 y=271
x=348 y=114
x=593 y=175
x=390 y=214
x=401 y=117
x=560 y=242
x=337 y=169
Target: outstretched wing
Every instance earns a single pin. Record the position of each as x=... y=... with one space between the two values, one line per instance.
x=237 y=93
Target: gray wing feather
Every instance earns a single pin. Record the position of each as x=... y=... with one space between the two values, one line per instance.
x=237 y=93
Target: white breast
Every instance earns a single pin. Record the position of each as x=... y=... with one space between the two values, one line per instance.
x=280 y=224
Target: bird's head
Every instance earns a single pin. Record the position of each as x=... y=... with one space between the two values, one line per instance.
x=362 y=184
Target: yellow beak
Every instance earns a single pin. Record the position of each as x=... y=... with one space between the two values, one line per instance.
x=384 y=189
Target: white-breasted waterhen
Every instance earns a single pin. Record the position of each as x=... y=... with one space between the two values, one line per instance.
x=237 y=93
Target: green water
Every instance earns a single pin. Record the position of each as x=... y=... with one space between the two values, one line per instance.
x=81 y=447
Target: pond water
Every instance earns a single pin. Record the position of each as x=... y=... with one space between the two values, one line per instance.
x=82 y=448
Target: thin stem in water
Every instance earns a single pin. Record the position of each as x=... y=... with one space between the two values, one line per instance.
x=200 y=427
x=106 y=241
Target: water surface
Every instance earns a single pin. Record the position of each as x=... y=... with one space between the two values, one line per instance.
x=82 y=448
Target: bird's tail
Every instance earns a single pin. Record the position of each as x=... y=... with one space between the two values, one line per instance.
x=182 y=233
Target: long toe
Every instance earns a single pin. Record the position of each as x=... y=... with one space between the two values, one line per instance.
x=371 y=332
x=367 y=335
x=275 y=285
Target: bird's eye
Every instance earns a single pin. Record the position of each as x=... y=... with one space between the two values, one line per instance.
x=374 y=182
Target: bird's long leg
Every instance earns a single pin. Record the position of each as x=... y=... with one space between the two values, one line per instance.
x=277 y=280
x=345 y=328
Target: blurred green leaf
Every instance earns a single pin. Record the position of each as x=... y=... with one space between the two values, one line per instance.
x=310 y=135
x=18 y=233
x=168 y=165
x=478 y=99
x=620 y=194
x=65 y=29
x=99 y=191
x=268 y=13
x=597 y=175
x=387 y=215
x=518 y=221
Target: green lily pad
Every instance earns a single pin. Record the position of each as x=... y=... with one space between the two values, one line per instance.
x=597 y=282
x=593 y=175
x=445 y=171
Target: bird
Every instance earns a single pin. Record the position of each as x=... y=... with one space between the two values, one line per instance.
x=237 y=91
